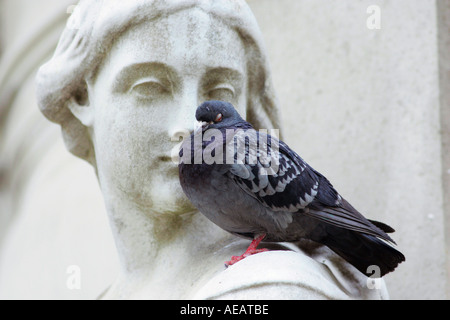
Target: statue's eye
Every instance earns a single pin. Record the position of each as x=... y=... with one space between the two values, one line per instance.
x=218 y=117
x=149 y=88
x=222 y=91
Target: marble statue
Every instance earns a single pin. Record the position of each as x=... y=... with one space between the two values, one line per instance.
x=124 y=83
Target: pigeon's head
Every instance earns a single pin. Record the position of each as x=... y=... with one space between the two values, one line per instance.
x=217 y=114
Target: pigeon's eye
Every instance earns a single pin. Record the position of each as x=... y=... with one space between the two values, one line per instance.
x=218 y=117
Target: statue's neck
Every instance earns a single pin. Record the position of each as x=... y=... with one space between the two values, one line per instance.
x=142 y=236
x=156 y=250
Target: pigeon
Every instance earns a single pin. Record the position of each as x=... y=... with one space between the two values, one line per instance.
x=251 y=184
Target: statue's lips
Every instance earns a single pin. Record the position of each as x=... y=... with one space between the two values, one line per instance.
x=167 y=165
x=165 y=158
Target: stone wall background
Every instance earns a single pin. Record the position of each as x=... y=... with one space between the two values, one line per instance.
x=369 y=108
x=363 y=107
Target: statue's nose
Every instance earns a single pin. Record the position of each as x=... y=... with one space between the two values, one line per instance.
x=184 y=120
x=184 y=124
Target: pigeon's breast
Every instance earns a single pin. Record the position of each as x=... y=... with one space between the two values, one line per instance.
x=223 y=202
x=217 y=198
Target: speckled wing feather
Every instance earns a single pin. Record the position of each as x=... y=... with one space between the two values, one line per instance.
x=294 y=186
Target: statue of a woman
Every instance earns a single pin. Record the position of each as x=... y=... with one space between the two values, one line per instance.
x=124 y=83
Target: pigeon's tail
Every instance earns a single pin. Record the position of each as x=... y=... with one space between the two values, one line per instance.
x=367 y=253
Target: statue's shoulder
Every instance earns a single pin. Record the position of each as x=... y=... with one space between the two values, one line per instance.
x=286 y=274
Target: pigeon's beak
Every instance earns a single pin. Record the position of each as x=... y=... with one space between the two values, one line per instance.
x=200 y=126
x=203 y=125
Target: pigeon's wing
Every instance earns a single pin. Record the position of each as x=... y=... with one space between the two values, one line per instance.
x=282 y=181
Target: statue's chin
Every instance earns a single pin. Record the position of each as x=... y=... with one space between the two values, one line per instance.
x=161 y=197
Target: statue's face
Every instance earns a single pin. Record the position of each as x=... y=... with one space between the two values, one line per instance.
x=146 y=93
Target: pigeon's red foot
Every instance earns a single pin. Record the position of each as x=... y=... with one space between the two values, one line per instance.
x=250 y=250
